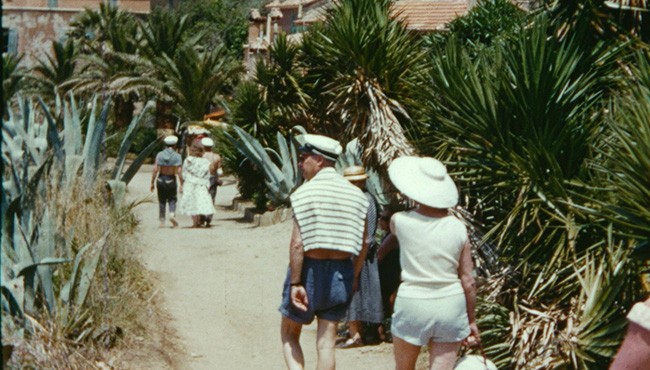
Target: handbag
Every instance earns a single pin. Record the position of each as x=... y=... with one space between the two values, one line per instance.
x=475 y=362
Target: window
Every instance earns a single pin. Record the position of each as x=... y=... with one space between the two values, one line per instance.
x=9 y=41
x=53 y=3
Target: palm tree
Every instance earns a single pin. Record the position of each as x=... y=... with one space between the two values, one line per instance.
x=275 y=98
x=12 y=79
x=363 y=67
x=55 y=72
x=109 y=51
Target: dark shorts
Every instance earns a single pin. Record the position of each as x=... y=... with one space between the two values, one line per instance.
x=329 y=287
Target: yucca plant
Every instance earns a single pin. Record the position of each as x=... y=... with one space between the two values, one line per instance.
x=363 y=69
x=520 y=129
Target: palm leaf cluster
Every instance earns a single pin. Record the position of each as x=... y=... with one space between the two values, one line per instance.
x=112 y=53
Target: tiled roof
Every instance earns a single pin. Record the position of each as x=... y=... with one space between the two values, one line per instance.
x=315 y=14
x=429 y=15
x=289 y=3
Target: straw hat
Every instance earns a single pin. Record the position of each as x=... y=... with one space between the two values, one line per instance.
x=320 y=145
x=171 y=140
x=425 y=180
x=355 y=173
x=206 y=141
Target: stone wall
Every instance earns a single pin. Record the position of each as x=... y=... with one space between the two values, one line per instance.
x=36 y=30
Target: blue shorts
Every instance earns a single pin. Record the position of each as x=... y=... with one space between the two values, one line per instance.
x=442 y=320
x=329 y=287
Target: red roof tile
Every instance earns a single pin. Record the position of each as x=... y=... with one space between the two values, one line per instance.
x=429 y=15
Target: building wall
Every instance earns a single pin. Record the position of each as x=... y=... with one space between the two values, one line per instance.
x=36 y=29
x=36 y=23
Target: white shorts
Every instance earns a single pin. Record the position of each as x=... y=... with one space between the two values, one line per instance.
x=442 y=320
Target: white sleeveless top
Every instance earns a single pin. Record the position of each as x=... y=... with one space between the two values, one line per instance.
x=430 y=249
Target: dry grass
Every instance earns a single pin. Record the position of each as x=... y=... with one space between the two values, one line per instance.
x=120 y=325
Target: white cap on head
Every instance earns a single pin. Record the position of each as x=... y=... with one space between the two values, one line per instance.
x=425 y=180
x=171 y=140
x=320 y=145
x=206 y=141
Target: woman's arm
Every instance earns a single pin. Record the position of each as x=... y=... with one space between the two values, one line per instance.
x=387 y=245
x=466 y=275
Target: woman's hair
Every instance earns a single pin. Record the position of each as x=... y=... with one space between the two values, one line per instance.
x=196 y=149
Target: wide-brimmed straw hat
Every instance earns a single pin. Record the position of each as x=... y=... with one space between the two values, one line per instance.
x=355 y=173
x=171 y=140
x=320 y=145
x=424 y=180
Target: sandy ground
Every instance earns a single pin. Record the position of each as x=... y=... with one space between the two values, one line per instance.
x=222 y=286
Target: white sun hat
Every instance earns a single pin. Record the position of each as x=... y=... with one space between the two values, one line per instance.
x=320 y=145
x=206 y=141
x=171 y=140
x=424 y=180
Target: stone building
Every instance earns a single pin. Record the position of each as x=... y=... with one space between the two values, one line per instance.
x=30 y=26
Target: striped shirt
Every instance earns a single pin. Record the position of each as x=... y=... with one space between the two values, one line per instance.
x=330 y=212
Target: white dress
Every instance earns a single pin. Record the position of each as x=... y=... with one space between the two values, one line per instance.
x=196 y=181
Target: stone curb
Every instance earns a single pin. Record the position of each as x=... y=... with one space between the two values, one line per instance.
x=247 y=208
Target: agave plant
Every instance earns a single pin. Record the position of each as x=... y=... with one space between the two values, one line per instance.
x=280 y=181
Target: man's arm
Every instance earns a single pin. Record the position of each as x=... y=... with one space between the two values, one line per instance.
x=296 y=257
x=154 y=174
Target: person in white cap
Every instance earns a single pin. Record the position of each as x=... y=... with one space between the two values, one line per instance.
x=328 y=232
x=166 y=170
x=435 y=301
x=215 y=161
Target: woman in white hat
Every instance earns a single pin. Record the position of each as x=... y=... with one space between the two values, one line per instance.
x=435 y=302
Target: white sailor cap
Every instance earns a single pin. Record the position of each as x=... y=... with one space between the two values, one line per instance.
x=320 y=145
x=171 y=140
x=206 y=141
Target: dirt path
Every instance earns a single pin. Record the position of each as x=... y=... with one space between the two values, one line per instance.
x=222 y=287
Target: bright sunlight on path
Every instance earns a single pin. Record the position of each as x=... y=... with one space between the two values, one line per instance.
x=222 y=286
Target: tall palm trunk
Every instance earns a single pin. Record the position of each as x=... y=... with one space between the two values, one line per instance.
x=123 y=109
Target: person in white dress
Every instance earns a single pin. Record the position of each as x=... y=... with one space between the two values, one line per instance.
x=196 y=201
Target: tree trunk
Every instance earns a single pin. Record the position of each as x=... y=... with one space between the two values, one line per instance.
x=165 y=120
x=123 y=109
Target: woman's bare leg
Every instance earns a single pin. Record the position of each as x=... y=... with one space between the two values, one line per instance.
x=442 y=356
x=406 y=354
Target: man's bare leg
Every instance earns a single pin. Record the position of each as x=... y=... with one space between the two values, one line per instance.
x=325 y=344
x=290 y=334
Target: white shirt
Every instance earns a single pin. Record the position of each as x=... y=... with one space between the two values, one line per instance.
x=430 y=249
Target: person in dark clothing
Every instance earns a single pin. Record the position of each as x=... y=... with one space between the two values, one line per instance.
x=165 y=171
x=389 y=267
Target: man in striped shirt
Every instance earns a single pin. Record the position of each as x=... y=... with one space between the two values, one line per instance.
x=326 y=252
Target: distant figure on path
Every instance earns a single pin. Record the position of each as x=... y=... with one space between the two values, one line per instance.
x=328 y=231
x=435 y=302
x=196 y=200
x=166 y=169
x=365 y=305
x=215 y=161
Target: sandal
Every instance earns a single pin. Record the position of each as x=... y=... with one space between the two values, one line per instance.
x=350 y=343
